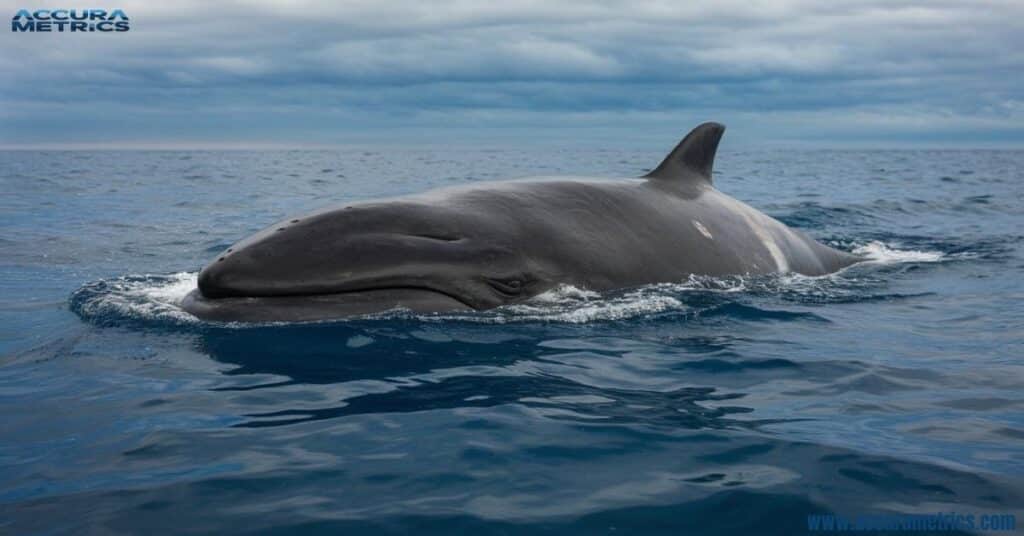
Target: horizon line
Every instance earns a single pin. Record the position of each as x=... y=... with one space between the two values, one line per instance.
x=288 y=146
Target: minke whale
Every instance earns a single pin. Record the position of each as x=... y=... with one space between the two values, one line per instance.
x=485 y=245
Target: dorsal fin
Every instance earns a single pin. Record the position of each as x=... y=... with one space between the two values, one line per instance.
x=693 y=158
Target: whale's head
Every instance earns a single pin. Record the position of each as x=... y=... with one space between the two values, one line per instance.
x=370 y=257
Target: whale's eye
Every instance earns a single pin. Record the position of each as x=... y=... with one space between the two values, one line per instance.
x=508 y=287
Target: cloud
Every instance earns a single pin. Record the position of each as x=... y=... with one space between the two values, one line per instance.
x=233 y=65
x=339 y=71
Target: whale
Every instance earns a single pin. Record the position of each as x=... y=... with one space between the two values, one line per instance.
x=488 y=244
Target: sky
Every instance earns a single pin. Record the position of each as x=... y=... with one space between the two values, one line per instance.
x=261 y=73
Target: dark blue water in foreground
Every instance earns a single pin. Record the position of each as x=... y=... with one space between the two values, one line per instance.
x=708 y=406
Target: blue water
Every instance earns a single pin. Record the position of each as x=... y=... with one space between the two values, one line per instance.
x=737 y=405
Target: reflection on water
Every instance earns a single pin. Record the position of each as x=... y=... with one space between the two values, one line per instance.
x=403 y=369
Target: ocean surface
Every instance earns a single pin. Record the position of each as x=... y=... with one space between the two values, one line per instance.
x=706 y=406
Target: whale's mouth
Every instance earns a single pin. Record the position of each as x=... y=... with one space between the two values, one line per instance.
x=350 y=291
x=307 y=307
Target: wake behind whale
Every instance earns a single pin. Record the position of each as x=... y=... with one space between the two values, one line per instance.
x=494 y=244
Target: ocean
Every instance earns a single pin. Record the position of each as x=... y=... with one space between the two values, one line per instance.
x=710 y=406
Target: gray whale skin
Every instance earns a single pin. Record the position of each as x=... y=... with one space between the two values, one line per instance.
x=489 y=244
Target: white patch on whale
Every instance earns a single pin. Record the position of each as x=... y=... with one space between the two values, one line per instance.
x=759 y=225
x=703 y=230
x=781 y=263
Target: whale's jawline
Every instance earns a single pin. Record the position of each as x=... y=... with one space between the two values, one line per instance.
x=318 y=307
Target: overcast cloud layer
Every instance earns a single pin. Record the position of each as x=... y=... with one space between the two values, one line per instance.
x=254 y=73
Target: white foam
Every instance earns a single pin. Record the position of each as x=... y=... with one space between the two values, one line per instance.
x=145 y=297
x=616 y=309
x=569 y=304
x=881 y=253
x=173 y=289
x=564 y=293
